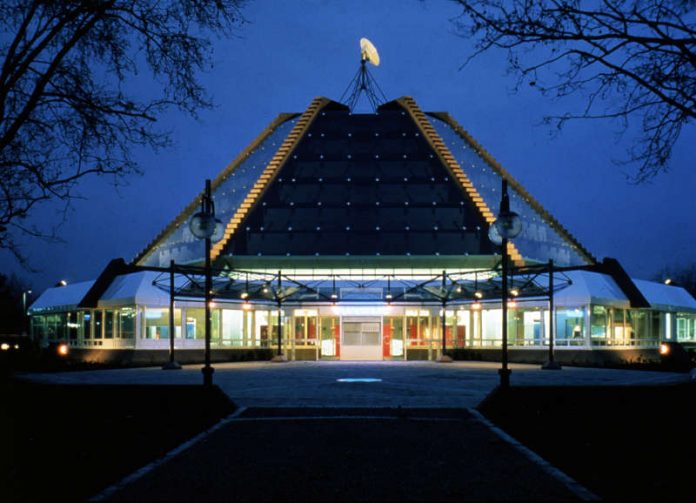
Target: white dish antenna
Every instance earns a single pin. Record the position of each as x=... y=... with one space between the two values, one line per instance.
x=368 y=52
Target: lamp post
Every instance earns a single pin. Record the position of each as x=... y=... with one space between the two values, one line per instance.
x=551 y=364
x=204 y=225
x=444 y=358
x=25 y=324
x=172 y=364
x=507 y=226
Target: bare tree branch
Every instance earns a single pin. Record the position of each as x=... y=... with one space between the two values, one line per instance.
x=633 y=59
x=64 y=114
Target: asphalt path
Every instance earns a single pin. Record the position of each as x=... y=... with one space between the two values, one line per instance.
x=348 y=455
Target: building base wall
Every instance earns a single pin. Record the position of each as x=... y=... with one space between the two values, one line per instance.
x=573 y=357
x=144 y=357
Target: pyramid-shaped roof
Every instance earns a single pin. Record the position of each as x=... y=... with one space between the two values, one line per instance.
x=397 y=183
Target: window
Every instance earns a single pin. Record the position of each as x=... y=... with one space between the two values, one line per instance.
x=463 y=328
x=156 y=323
x=127 y=323
x=417 y=327
x=531 y=321
x=640 y=321
x=492 y=320
x=393 y=336
x=686 y=327
x=622 y=329
x=232 y=326
x=87 y=324
x=98 y=324
x=109 y=325
x=330 y=335
x=195 y=324
x=570 y=327
x=305 y=324
x=73 y=326
x=38 y=327
x=598 y=325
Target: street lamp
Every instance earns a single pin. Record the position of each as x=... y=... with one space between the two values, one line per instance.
x=25 y=293
x=204 y=225
x=507 y=226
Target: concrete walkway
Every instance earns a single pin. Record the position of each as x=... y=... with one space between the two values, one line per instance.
x=392 y=384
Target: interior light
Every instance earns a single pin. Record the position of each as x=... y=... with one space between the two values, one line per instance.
x=246 y=305
x=668 y=281
x=244 y=295
x=514 y=292
x=478 y=294
x=476 y=305
x=512 y=304
x=62 y=349
x=664 y=349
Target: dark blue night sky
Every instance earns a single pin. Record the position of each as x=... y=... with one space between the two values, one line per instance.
x=292 y=51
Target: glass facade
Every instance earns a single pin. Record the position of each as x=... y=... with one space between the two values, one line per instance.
x=403 y=332
x=181 y=246
x=539 y=240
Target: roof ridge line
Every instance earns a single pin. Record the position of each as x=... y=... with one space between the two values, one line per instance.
x=451 y=164
x=191 y=207
x=269 y=173
x=493 y=163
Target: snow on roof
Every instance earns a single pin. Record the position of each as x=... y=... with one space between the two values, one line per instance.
x=61 y=298
x=666 y=297
x=591 y=288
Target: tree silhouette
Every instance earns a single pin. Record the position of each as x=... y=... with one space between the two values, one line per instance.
x=633 y=59
x=70 y=99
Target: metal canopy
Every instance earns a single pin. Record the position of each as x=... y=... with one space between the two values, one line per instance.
x=451 y=288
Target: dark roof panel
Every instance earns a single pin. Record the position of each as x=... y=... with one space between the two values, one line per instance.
x=362 y=184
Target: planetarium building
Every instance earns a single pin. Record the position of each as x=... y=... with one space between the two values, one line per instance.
x=346 y=236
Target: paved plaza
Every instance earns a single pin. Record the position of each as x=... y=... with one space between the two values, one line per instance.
x=353 y=431
x=362 y=384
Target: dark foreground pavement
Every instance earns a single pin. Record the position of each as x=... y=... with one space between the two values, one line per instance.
x=348 y=455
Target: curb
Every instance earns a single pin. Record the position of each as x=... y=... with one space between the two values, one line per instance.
x=139 y=473
x=572 y=485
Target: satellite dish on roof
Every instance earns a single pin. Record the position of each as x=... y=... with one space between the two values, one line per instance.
x=363 y=81
x=368 y=52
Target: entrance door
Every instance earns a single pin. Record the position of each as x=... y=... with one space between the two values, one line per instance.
x=361 y=339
